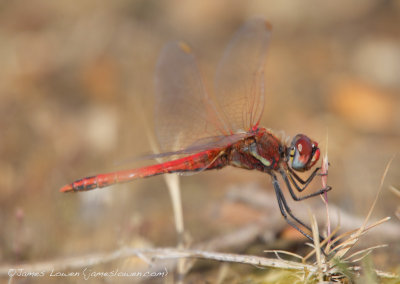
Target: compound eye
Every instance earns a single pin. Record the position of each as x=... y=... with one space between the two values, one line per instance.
x=304 y=147
x=315 y=156
x=305 y=153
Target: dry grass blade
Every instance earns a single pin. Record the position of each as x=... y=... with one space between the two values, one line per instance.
x=348 y=244
x=386 y=275
x=311 y=253
x=223 y=273
x=149 y=255
x=338 y=266
x=317 y=246
x=338 y=263
x=363 y=253
x=324 y=181
x=377 y=194
x=395 y=190
x=354 y=236
x=174 y=189
x=173 y=185
x=277 y=252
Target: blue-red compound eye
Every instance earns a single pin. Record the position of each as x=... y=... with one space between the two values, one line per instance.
x=303 y=153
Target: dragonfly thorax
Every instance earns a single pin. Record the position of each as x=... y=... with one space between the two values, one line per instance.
x=261 y=152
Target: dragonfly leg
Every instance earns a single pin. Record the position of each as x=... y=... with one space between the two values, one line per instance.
x=285 y=210
x=298 y=188
x=294 y=196
x=299 y=179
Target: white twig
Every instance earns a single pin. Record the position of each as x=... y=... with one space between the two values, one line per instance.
x=154 y=254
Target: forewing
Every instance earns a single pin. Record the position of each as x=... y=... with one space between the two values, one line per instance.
x=183 y=111
x=239 y=80
x=214 y=142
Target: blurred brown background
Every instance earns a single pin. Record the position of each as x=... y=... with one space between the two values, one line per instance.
x=73 y=75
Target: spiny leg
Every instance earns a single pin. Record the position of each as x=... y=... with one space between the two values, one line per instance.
x=288 y=210
x=284 y=208
x=299 y=179
x=294 y=196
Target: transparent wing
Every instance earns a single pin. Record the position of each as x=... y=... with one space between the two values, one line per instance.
x=184 y=112
x=214 y=142
x=239 y=80
x=185 y=116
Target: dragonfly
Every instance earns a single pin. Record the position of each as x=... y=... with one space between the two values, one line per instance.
x=201 y=128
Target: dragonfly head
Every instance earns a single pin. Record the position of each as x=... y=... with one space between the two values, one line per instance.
x=303 y=153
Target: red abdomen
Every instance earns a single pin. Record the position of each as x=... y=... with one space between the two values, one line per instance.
x=205 y=160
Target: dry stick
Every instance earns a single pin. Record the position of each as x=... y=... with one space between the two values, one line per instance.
x=155 y=254
x=238 y=238
x=162 y=254
x=149 y=255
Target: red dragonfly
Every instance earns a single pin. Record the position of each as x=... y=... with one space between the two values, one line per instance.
x=214 y=130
